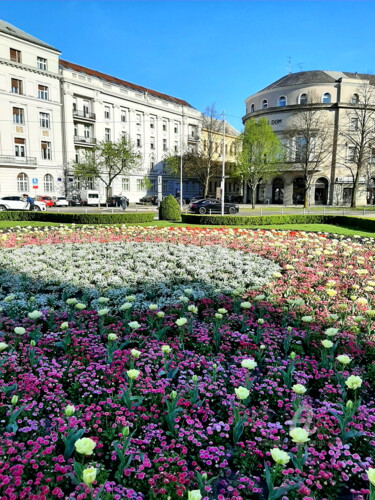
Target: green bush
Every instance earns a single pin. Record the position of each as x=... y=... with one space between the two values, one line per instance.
x=169 y=209
x=79 y=218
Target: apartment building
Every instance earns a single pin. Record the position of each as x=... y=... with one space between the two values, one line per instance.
x=57 y=109
x=338 y=98
x=31 y=145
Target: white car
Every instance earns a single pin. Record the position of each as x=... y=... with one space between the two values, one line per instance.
x=61 y=202
x=19 y=203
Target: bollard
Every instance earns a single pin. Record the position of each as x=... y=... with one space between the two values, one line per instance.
x=343 y=211
x=324 y=210
x=364 y=211
x=304 y=211
x=261 y=212
x=86 y=210
x=112 y=210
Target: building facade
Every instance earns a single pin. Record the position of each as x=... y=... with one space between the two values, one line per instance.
x=336 y=96
x=51 y=110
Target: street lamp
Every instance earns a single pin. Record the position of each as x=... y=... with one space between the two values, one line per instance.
x=223 y=170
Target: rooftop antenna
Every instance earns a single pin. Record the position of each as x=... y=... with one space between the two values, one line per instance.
x=300 y=64
x=289 y=67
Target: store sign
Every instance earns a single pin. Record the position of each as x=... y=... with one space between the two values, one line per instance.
x=276 y=122
x=347 y=180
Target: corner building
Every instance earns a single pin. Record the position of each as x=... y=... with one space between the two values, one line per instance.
x=336 y=96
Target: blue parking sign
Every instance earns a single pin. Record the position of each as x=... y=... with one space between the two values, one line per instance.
x=35 y=180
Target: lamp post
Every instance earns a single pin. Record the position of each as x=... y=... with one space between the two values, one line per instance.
x=223 y=170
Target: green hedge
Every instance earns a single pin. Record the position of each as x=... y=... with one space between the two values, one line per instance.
x=79 y=218
x=268 y=220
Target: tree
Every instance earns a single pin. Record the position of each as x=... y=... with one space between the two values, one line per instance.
x=309 y=141
x=359 y=136
x=202 y=163
x=107 y=160
x=260 y=154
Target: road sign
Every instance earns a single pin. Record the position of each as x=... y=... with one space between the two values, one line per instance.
x=35 y=180
x=35 y=187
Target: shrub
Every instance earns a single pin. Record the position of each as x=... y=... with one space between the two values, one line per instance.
x=79 y=218
x=169 y=209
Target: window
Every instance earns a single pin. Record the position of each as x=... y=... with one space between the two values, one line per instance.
x=74 y=104
x=164 y=126
x=86 y=131
x=303 y=99
x=19 y=147
x=107 y=134
x=22 y=182
x=140 y=184
x=176 y=147
x=252 y=108
x=326 y=97
x=43 y=92
x=351 y=153
x=41 y=63
x=125 y=184
x=44 y=120
x=153 y=185
x=152 y=122
x=139 y=140
x=355 y=99
x=107 y=112
x=176 y=128
x=46 y=150
x=86 y=108
x=138 y=119
x=353 y=125
x=372 y=155
x=264 y=104
x=152 y=165
x=165 y=145
x=15 y=55
x=301 y=149
x=205 y=145
x=18 y=116
x=16 y=86
x=123 y=115
x=282 y=101
x=152 y=142
x=48 y=183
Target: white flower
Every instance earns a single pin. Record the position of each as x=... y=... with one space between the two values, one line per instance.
x=249 y=364
x=35 y=315
x=153 y=307
x=181 y=321
x=135 y=353
x=299 y=389
x=103 y=312
x=134 y=325
x=241 y=392
x=126 y=306
x=19 y=330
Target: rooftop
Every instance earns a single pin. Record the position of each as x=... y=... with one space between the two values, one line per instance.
x=117 y=81
x=11 y=30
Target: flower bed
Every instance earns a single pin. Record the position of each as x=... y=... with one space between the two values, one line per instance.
x=218 y=364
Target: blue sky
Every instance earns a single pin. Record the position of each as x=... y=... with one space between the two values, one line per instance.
x=204 y=51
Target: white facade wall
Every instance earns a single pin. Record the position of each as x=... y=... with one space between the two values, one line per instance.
x=155 y=126
x=28 y=129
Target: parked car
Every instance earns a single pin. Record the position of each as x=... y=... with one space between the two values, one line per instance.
x=90 y=197
x=149 y=199
x=74 y=200
x=115 y=201
x=207 y=206
x=61 y=201
x=19 y=203
x=46 y=199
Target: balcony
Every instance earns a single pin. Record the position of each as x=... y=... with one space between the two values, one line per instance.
x=83 y=115
x=89 y=141
x=18 y=160
x=193 y=138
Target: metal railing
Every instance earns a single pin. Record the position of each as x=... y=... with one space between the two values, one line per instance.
x=85 y=140
x=84 y=114
x=21 y=160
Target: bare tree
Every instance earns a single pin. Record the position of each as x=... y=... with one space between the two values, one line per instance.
x=309 y=141
x=359 y=137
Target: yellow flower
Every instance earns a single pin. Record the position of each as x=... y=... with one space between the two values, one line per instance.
x=371 y=475
x=353 y=382
x=299 y=388
x=134 y=325
x=330 y=332
x=19 y=330
x=69 y=410
x=343 y=359
x=3 y=346
x=250 y=364
x=299 y=435
x=242 y=392
x=245 y=305
x=89 y=475
x=194 y=495
x=85 y=446
x=133 y=374
x=112 y=336
x=181 y=321
x=153 y=307
x=222 y=311
x=280 y=456
x=361 y=301
x=135 y=353
x=166 y=349
x=370 y=313
x=307 y=319
x=330 y=292
x=327 y=344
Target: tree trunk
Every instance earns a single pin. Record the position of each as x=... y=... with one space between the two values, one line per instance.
x=353 y=203
x=205 y=188
x=253 y=191
x=306 y=199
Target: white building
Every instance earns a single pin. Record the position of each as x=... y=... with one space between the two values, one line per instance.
x=31 y=147
x=51 y=109
x=337 y=96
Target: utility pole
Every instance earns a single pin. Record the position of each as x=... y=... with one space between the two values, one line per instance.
x=223 y=169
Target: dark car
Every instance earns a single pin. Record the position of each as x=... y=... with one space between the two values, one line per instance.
x=74 y=200
x=149 y=199
x=116 y=201
x=208 y=205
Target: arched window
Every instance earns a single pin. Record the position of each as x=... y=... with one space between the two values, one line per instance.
x=264 y=104
x=355 y=99
x=22 y=182
x=252 y=108
x=278 y=191
x=321 y=191
x=48 y=183
x=303 y=99
x=326 y=97
x=282 y=101
x=298 y=190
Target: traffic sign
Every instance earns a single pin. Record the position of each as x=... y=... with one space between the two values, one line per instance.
x=35 y=180
x=35 y=187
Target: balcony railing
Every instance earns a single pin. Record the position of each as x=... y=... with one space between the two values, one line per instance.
x=85 y=140
x=18 y=160
x=193 y=138
x=83 y=114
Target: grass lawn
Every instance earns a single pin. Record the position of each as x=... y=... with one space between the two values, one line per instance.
x=326 y=228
